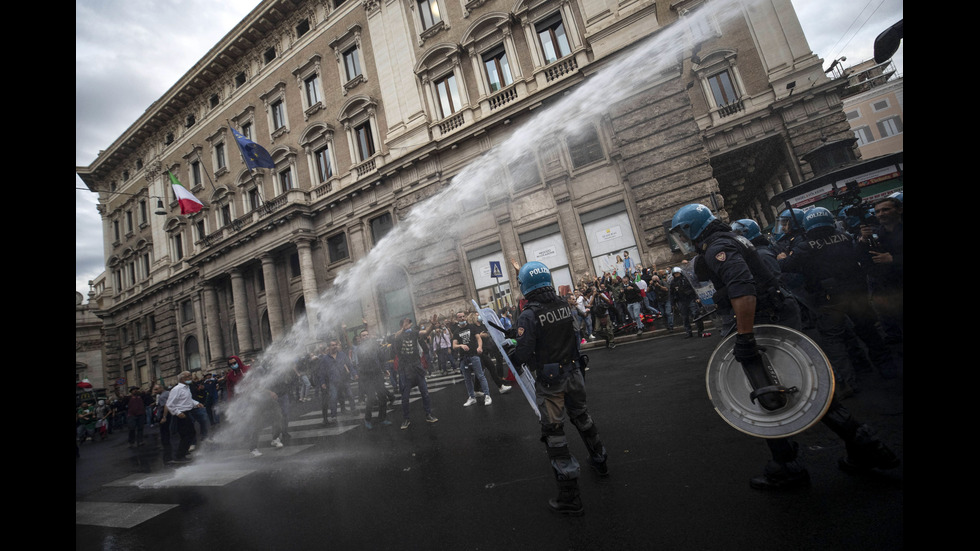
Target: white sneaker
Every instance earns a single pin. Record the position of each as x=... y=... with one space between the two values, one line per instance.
x=488 y=400
x=469 y=402
x=277 y=443
x=256 y=452
x=504 y=389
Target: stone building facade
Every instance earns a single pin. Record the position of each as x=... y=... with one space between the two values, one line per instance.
x=369 y=108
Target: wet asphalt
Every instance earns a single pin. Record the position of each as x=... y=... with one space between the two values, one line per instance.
x=479 y=478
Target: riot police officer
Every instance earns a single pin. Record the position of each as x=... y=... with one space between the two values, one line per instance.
x=836 y=283
x=753 y=292
x=545 y=342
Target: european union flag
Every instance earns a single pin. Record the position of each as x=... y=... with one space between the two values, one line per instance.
x=254 y=154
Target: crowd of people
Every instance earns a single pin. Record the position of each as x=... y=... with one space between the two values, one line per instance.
x=810 y=274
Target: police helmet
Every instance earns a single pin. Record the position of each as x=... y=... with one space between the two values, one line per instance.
x=532 y=276
x=677 y=270
x=818 y=217
x=790 y=222
x=747 y=228
x=688 y=224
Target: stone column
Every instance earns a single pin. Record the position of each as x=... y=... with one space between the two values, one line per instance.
x=509 y=246
x=273 y=301
x=212 y=318
x=571 y=233
x=240 y=302
x=308 y=275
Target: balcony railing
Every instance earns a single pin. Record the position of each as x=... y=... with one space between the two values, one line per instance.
x=731 y=108
x=565 y=66
x=451 y=123
x=503 y=97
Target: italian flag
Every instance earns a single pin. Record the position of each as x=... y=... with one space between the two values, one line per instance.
x=188 y=203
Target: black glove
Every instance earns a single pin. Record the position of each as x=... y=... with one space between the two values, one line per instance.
x=745 y=348
x=764 y=385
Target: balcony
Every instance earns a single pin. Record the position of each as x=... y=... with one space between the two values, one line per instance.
x=731 y=108
x=559 y=69
x=503 y=97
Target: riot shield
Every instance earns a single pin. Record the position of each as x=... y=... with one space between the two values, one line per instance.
x=800 y=365
x=524 y=380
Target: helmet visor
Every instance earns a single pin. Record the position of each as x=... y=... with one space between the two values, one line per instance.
x=685 y=243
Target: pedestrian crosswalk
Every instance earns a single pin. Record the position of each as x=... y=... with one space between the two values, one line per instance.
x=218 y=466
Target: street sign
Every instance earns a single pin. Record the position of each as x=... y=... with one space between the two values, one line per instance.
x=495 y=270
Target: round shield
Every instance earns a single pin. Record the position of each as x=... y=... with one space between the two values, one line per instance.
x=801 y=367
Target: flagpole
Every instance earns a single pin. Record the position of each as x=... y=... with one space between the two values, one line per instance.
x=248 y=165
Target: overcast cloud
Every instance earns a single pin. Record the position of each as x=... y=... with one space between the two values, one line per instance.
x=128 y=54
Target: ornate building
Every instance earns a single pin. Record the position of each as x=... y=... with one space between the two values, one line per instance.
x=368 y=108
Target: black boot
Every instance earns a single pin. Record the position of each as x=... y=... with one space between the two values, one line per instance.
x=568 y=501
x=781 y=476
x=866 y=452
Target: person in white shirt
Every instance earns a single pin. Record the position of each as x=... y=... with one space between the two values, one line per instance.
x=179 y=405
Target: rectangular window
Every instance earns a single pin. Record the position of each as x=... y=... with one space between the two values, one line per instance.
x=294 y=265
x=352 y=63
x=302 y=28
x=286 y=180
x=890 y=127
x=429 y=10
x=142 y=212
x=380 y=226
x=278 y=115
x=337 y=247
x=115 y=229
x=312 y=86
x=880 y=105
x=584 y=147
x=365 y=141
x=186 y=311
x=524 y=171
x=855 y=114
x=253 y=198
x=554 y=43
x=863 y=135
x=225 y=215
x=129 y=221
x=178 y=247
x=145 y=260
x=722 y=89
x=448 y=95
x=498 y=69
x=201 y=233
x=247 y=130
x=323 y=168
x=219 y=155
x=196 y=173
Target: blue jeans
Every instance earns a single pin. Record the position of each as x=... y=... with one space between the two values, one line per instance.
x=200 y=416
x=634 y=309
x=413 y=376
x=445 y=355
x=473 y=365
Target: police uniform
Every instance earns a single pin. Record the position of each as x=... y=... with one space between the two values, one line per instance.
x=737 y=270
x=546 y=343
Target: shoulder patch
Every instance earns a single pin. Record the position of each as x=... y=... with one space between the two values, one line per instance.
x=520 y=331
x=720 y=257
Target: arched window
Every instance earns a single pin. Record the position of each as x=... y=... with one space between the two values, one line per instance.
x=192 y=354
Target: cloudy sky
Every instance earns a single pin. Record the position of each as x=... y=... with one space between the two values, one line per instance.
x=128 y=54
